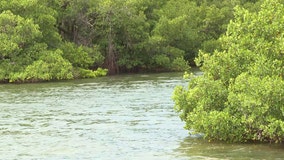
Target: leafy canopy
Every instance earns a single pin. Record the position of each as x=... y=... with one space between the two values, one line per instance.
x=240 y=96
x=31 y=48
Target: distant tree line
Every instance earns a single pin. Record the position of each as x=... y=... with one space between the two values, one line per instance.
x=64 y=39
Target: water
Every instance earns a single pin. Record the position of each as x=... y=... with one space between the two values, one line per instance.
x=119 y=117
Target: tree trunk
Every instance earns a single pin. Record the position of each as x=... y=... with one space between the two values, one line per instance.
x=111 y=55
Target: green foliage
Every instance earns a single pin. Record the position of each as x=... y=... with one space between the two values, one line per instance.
x=86 y=73
x=239 y=97
x=18 y=46
x=193 y=25
x=179 y=64
x=50 y=66
x=214 y=95
x=40 y=13
x=94 y=54
x=100 y=72
x=178 y=28
x=30 y=41
x=122 y=30
x=76 y=55
x=162 y=60
x=259 y=103
x=120 y=35
x=16 y=33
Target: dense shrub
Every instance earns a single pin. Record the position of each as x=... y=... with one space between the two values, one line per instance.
x=240 y=96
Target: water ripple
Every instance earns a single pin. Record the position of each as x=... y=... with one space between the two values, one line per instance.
x=107 y=118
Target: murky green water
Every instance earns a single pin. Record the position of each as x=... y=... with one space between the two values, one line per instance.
x=121 y=117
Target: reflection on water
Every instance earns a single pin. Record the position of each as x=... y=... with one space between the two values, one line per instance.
x=198 y=148
x=120 y=117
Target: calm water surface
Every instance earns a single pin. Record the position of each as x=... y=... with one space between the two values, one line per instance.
x=120 y=117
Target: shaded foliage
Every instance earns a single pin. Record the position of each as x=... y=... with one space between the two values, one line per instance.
x=119 y=35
